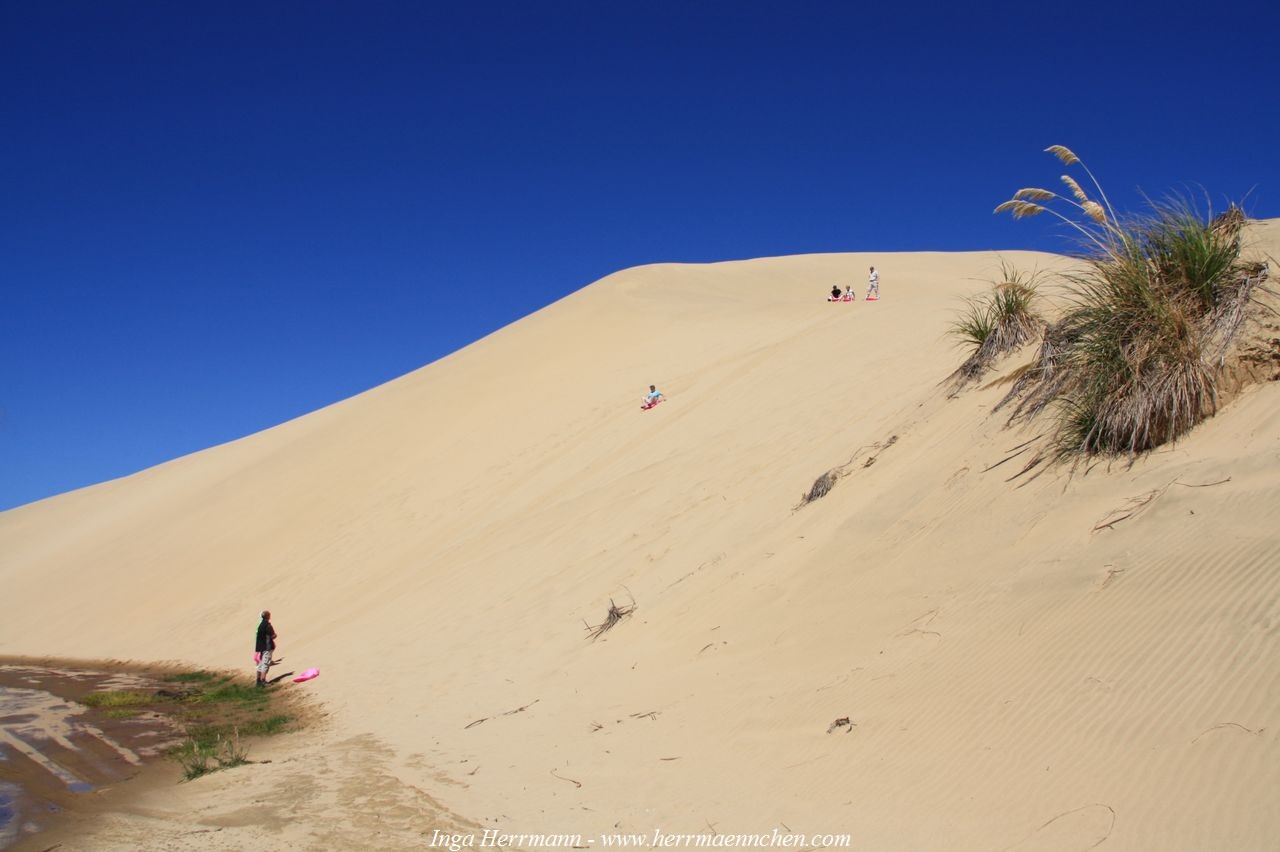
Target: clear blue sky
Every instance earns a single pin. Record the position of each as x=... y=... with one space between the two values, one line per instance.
x=217 y=217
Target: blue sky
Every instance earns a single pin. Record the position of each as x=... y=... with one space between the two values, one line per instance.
x=217 y=217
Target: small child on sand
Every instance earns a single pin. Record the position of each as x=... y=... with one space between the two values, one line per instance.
x=873 y=285
x=652 y=397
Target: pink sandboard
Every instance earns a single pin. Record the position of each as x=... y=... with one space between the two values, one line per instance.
x=309 y=674
x=652 y=404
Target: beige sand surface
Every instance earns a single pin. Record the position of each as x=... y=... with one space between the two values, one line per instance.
x=1015 y=679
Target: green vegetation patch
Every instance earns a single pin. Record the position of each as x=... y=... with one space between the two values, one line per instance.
x=228 y=691
x=118 y=698
x=193 y=677
x=266 y=727
x=209 y=748
x=217 y=713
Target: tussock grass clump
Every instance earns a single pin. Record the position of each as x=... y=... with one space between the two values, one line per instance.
x=1039 y=383
x=998 y=322
x=209 y=749
x=1134 y=360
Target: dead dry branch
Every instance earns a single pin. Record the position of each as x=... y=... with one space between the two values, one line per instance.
x=823 y=484
x=1024 y=447
x=1103 y=839
x=1134 y=507
x=1221 y=725
x=615 y=614
x=1202 y=484
x=505 y=713
x=570 y=780
x=1137 y=505
x=1112 y=574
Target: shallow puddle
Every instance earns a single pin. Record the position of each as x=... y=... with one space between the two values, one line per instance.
x=55 y=752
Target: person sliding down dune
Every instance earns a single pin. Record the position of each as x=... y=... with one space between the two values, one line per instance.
x=652 y=398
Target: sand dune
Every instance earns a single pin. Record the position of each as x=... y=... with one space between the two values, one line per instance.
x=1015 y=676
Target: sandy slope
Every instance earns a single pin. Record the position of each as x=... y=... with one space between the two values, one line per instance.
x=1016 y=679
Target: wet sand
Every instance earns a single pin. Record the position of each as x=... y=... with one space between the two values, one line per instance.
x=62 y=761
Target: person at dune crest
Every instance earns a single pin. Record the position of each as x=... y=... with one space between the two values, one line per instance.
x=873 y=284
x=264 y=644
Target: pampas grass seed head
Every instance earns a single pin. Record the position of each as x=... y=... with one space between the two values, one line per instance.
x=1095 y=212
x=1075 y=188
x=1019 y=208
x=1064 y=154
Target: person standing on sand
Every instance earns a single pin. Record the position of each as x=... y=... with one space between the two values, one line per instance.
x=263 y=645
x=873 y=284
